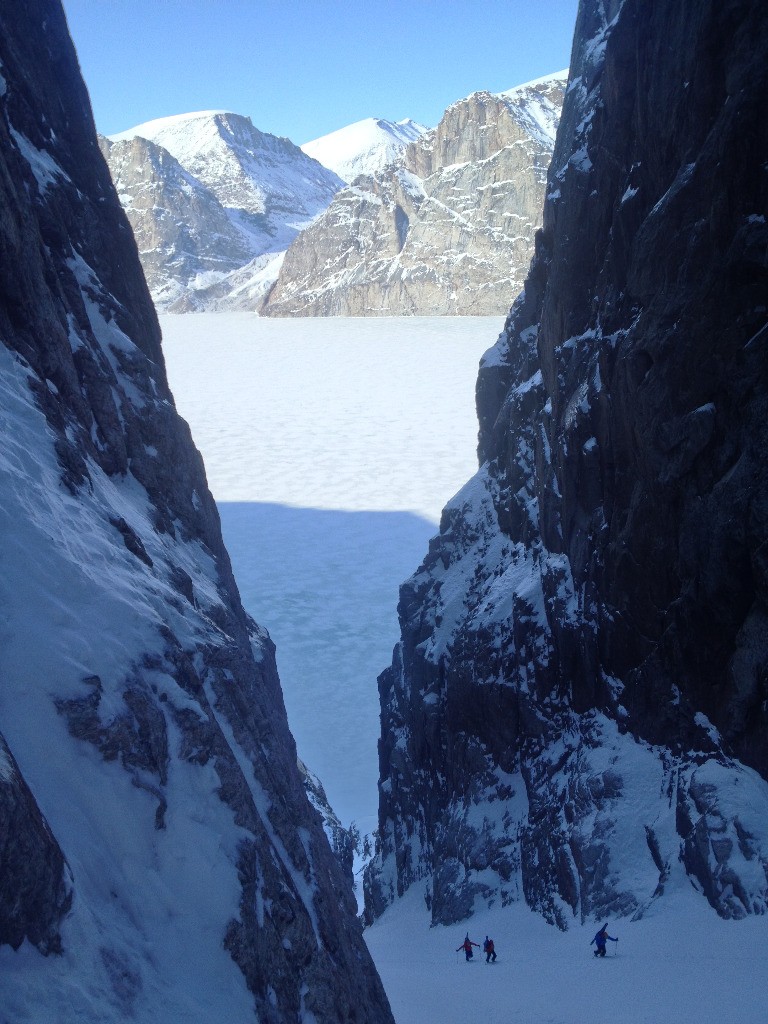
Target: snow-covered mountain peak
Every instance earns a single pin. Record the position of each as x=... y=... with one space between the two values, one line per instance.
x=363 y=147
x=160 y=125
x=261 y=191
x=208 y=142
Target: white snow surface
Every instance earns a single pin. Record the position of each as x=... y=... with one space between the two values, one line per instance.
x=680 y=964
x=331 y=446
x=162 y=126
x=364 y=147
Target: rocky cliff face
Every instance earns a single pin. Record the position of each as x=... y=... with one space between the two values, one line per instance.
x=212 y=200
x=154 y=832
x=448 y=230
x=183 y=232
x=576 y=712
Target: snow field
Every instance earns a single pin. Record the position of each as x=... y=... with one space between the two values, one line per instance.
x=331 y=446
x=372 y=423
x=679 y=964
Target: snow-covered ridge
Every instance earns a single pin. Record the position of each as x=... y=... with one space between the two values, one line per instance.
x=364 y=147
x=162 y=125
x=537 y=83
x=534 y=100
x=263 y=185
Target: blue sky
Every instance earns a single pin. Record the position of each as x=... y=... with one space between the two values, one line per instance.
x=303 y=68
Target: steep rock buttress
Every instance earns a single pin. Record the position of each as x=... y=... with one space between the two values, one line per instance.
x=576 y=712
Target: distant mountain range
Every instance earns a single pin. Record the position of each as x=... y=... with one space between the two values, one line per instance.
x=378 y=217
x=446 y=229
x=207 y=194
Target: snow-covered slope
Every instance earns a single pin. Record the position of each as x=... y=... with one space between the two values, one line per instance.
x=268 y=189
x=577 y=712
x=159 y=860
x=363 y=147
x=447 y=229
x=680 y=963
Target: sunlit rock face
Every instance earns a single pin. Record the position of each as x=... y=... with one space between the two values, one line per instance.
x=446 y=229
x=155 y=838
x=184 y=234
x=576 y=712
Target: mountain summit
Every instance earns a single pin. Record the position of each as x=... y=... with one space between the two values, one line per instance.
x=364 y=147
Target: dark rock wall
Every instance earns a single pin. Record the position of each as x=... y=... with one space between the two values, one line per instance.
x=600 y=585
x=649 y=287
x=35 y=883
x=76 y=316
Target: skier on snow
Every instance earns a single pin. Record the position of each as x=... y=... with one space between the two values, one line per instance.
x=467 y=945
x=489 y=950
x=600 y=939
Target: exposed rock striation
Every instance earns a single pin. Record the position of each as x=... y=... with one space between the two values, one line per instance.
x=576 y=713
x=447 y=229
x=155 y=831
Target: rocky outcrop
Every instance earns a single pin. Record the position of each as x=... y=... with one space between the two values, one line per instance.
x=212 y=200
x=155 y=831
x=343 y=841
x=35 y=881
x=447 y=230
x=576 y=712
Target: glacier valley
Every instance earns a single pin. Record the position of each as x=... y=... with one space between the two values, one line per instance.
x=331 y=446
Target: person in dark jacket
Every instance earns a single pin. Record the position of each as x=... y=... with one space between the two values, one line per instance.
x=489 y=950
x=600 y=939
x=467 y=945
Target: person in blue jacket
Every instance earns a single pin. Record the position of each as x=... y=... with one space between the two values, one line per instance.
x=600 y=939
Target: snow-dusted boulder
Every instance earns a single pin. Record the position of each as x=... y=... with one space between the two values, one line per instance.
x=154 y=831
x=577 y=711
